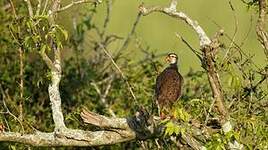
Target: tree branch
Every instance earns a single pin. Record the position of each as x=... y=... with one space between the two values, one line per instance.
x=38 y=7
x=122 y=74
x=107 y=18
x=47 y=60
x=69 y=138
x=171 y=11
x=104 y=95
x=207 y=47
x=260 y=27
x=127 y=39
x=76 y=3
x=30 y=8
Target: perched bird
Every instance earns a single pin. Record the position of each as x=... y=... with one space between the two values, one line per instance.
x=168 y=85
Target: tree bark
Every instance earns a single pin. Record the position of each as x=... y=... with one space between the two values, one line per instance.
x=260 y=27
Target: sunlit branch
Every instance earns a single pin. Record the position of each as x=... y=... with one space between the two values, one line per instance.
x=76 y=3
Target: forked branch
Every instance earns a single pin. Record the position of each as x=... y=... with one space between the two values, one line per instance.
x=207 y=47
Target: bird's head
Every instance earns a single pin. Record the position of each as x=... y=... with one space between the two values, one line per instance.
x=172 y=58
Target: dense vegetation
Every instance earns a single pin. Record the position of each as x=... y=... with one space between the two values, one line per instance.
x=91 y=80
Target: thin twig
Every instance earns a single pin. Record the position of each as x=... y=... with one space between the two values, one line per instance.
x=96 y=87
x=103 y=97
x=209 y=111
x=107 y=18
x=198 y=54
x=38 y=7
x=235 y=44
x=119 y=70
x=45 y=7
x=13 y=8
x=7 y=124
x=108 y=87
x=234 y=35
x=76 y=3
x=127 y=39
x=7 y=109
x=30 y=8
x=104 y=80
x=261 y=26
x=248 y=32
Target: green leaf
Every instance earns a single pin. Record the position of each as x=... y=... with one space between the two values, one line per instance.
x=180 y=113
x=172 y=128
x=62 y=31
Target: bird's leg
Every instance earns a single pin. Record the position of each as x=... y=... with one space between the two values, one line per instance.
x=163 y=113
x=160 y=112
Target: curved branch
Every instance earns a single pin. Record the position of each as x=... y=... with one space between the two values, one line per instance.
x=76 y=3
x=208 y=49
x=171 y=11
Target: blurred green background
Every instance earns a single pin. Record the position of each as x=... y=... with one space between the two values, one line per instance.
x=158 y=31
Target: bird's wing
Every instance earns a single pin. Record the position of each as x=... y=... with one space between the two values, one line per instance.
x=168 y=86
x=159 y=82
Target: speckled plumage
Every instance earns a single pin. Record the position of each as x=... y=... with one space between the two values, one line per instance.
x=168 y=86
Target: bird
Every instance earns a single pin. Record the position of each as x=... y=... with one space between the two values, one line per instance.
x=168 y=87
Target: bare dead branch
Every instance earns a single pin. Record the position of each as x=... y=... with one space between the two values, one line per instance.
x=122 y=74
x=7 y=109
x=234 y=35
x=171 y=11
x=127 y=39
x=237 y=46
x=102 y=121
x=104 y=95
x=207 y=47
x=198 y=54
x=76 y=3
x=107 y=18
x=261 y=26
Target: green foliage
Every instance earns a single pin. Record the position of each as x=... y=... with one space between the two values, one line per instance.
x=246 y=97
x=173 y=128
x=221 y=140
x=181 y=114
